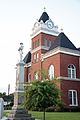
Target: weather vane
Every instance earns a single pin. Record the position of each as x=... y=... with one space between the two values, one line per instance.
x=21 y=51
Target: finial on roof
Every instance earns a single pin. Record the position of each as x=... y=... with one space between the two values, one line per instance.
x=44 y=9
x=61 y=29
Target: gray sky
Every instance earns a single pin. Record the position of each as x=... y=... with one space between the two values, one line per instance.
x=16 y=21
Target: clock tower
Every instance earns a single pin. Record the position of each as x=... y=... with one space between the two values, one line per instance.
x=43 y=34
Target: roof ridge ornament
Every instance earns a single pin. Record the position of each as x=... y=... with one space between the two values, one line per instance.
x=44 y=9
x=61 y=29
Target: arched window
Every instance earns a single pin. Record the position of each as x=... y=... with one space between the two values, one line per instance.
x=51 y=72
x=71 y=71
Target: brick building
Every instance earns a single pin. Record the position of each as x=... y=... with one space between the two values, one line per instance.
x=53 y=51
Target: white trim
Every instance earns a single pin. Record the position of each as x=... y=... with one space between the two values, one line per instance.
x=73 y=98
x=61 y=50
x=44 y=30
x=70 y=79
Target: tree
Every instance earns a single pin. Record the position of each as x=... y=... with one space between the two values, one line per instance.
x=7 y=98
x=41 y=95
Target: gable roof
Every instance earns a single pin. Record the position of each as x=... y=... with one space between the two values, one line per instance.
x=44 y=17
x=27 y=58
x=62 y=41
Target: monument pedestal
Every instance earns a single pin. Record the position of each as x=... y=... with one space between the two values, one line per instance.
x=1 y=107
x=19 y=113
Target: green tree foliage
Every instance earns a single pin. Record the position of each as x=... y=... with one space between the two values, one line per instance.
x=41 y=95
x=7 y=98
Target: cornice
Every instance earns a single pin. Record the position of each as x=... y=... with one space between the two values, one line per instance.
x=43 y=27
x=61 y=50
x=70 y=79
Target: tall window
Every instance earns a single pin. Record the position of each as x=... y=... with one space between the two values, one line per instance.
x=51 y=72
x=37 y=57
x=33 y=45
x=45 y=42
x=36 y=76
x=71 y=71
x=49 y=43
x=73 y=98
x=29 y=77
x=37 y=43
x=34 y=57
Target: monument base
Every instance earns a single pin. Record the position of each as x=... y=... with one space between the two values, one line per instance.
x=19 y=114
x=18 y=98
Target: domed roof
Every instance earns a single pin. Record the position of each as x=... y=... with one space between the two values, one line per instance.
x=44 y=17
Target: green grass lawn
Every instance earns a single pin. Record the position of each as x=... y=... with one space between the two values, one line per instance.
x=57 y=115
x=53 y=115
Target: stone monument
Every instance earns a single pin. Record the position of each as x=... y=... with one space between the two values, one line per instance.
x=19 y=113
x=19 y=90
x=1 y=107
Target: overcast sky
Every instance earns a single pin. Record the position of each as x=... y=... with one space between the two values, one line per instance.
x=16 y=21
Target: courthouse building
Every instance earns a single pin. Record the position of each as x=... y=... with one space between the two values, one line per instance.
x=52 y=51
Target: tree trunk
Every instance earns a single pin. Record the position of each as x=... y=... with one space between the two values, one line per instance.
x=44 y=114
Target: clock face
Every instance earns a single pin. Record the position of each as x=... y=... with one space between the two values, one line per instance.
x=50 y=24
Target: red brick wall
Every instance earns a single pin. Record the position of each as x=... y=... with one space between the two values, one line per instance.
x=55 y=61
x=36 y=66
x=65 y=60
x=41 y=38
x=67 y=85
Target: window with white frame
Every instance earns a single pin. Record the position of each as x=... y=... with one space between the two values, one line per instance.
x=36 y=75
x=71 y=71
x=49 y=43
x=37 y=56
x=51 y=72
x=73 y=98
x=45 y=42
x=34 y=57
